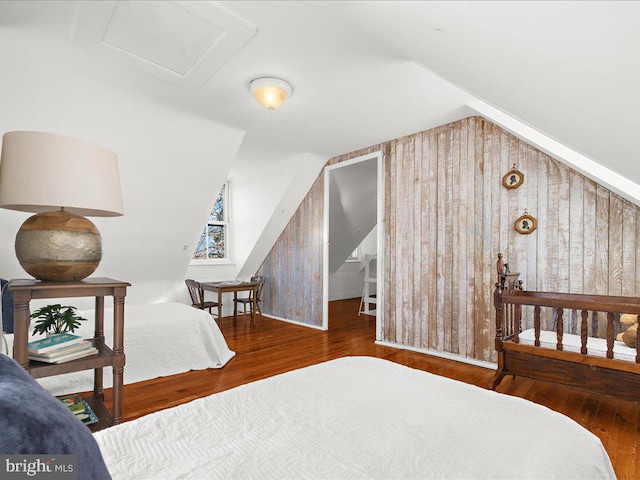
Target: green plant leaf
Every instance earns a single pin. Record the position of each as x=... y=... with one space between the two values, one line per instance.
x=56 y=318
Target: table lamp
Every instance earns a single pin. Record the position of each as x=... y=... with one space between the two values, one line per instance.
x=61 y=179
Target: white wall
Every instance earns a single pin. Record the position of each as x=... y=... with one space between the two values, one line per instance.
x=348 y=280
x=263 y=232
x=262 y=200
x=172 y=163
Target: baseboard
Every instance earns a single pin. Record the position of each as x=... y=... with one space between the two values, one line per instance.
x=346 y=296
x=295 y=322
x=445 y=355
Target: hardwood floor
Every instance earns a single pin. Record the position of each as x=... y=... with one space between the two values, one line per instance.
x=273 y=347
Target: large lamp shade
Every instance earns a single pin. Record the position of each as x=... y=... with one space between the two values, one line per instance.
x=61 y=179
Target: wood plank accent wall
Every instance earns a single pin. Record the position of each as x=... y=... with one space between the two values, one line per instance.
x=293 y=268
x=446 y=216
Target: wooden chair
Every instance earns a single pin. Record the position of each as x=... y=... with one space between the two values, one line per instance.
x=249 y=300
x=197 y=297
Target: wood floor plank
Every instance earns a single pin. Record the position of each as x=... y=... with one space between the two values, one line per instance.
x=624 y=438
x=602 y=423
x=273 y=347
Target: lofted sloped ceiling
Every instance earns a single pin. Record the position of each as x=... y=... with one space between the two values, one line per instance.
x=367 y=71
x=566 y=68
x=363 y=72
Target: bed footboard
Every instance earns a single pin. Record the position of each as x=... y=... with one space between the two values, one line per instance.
x=602 y=371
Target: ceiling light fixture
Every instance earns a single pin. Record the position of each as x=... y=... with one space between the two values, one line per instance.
x=270 y=92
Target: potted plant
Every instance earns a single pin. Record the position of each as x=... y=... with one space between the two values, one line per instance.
x=56 y=319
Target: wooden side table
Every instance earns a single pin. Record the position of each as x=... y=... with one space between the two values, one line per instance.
x=27 y=290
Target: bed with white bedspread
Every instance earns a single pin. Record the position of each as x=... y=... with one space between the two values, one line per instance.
x=160 y=339
x=355 y=417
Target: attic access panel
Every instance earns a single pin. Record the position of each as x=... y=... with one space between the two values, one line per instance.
x=184 y=43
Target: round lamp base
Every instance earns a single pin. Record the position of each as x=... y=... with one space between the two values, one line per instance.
x=58 y=246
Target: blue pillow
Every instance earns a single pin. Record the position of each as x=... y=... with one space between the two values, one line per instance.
x=33 y=421
x=7 y=307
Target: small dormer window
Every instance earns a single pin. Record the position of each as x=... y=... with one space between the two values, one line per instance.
x=213 y=243
x=355 y=256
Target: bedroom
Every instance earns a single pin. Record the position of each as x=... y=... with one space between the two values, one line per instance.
x=176 y=145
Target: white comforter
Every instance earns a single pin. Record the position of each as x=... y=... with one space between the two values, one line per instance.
x=160 y=339
x=354 y=417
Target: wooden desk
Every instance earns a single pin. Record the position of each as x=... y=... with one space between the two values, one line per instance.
x=26 y=290
x=235 y=287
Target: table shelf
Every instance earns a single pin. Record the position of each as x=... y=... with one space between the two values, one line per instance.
x=104 y=358
x=102 y=412
x=26 y=290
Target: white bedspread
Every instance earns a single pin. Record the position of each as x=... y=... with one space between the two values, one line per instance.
x=159 y=340
x=355 y=417
x=572 y=343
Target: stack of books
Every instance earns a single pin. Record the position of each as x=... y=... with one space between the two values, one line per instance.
x=60 y=348
x=79 y=408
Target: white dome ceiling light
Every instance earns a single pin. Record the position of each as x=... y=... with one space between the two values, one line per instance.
x=270 y=92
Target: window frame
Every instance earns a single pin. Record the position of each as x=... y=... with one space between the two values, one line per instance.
x=354 y=258
x=226 y=224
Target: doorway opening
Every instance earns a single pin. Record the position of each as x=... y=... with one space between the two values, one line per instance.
x=353 y=201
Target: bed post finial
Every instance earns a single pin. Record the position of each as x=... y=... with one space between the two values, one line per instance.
x=500 y=268
x=506 y=279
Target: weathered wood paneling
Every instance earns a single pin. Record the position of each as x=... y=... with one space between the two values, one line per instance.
x=430 y=236
x=629 y=248
x=390 y=251
x=446 y=216
x=293 y=268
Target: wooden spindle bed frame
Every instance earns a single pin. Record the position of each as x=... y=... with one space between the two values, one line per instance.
x=583 y=369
